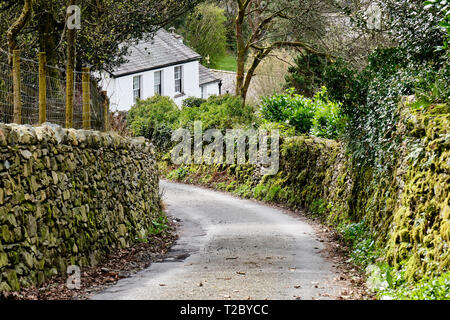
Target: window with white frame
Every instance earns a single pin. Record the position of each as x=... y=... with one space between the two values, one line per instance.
x=179 y=79
x=158 y=83
x=137 y=88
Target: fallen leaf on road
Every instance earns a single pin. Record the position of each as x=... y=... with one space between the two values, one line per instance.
x=162 y=285
x=324 y=295
x=232 y=258
x=241 y=273
x=297 y=287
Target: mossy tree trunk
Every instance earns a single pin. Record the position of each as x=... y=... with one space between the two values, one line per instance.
x=18 y=26
x=71 y=34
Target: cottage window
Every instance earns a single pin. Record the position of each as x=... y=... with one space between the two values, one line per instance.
x=158 y=83
x=179 y=79
x=137 y=88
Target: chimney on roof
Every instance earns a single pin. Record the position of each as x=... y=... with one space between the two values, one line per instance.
x=175 y=35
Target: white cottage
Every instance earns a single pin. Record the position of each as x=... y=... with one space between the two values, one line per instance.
x=164 y=66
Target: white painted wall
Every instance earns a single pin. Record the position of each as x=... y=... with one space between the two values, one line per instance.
x=120 y=90
x=211 y=89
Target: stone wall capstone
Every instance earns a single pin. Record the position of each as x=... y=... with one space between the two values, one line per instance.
x=69 y=197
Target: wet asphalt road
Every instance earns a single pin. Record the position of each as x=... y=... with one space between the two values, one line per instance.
x=231 y=248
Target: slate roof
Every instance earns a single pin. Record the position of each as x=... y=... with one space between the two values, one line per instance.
x=161 y=51
x=206 y=75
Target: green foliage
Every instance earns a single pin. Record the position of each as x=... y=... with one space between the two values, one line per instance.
x=205 y=32
x=260 y=191
x=192 y=102
x=243 y=190
x=284 y=129
x=154 y=118
x=272 y=193
x=159 y=225
x=227 y=62
x=353 y=232
x=328 y=121
x=370 y=99
x=346 y=85
x=389 y=283
x=433 y=86
x=152 y=111
x=358 y=236
x=220 y=112
x=319 y=116
x=306 y=75
x=371 y=125
x=318 y=207
x=157 y=117
x=289 y=108
x=415 y=29
x=442 y=8
x=178 y=174
x=437 y=288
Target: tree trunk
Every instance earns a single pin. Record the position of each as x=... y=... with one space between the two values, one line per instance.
x=18 y=26
x=70 y=72
x=241 y=47
x=251 y=71
x=48 y=31
x=245 y=9
x=70 y=40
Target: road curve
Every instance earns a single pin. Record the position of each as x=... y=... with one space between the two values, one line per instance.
x=231 y=248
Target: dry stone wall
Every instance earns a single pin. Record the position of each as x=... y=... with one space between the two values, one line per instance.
x=68 y=197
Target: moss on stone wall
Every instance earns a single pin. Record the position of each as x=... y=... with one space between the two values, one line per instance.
x=419 y=232
x=407 y=209
x=68 y=197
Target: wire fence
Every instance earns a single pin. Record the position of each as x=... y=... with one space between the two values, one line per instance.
x=6 y=93
x=55 y=96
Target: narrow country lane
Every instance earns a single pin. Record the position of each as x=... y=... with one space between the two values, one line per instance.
x=232 y=248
